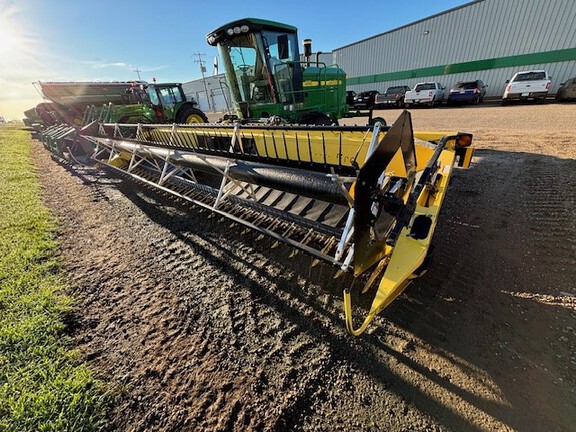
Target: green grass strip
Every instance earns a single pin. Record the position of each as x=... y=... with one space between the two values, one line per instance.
x=43 y=384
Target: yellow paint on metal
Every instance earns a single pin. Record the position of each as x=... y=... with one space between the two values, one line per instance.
x=312 y=83
x=319 y=146
x=466 y=158
x=408 y=253
x=120 y=160
x=194 y=118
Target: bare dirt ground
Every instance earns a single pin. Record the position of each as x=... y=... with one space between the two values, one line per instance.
x=198 y=325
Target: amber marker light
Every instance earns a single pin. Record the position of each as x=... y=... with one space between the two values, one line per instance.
x=464 y=140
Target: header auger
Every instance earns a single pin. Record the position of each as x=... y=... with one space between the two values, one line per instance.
x=363 y=199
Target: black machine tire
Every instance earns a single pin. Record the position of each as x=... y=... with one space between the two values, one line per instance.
x=377 y=119
x=316 y=119
x=189 y=114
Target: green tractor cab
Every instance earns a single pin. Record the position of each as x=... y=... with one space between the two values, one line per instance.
x=160 y=103
x=267 y=78
x=170 y=104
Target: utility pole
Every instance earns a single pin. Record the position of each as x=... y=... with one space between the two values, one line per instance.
x=203 y=71
x=138 y=72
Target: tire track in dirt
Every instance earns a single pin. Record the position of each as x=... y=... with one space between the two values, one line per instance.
x=550 y=206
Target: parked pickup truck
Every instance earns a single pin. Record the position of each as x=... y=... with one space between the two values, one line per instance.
x=394 y=96
x=426 y=93
x=527 y=85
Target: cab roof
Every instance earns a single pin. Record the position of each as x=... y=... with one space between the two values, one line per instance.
x=253 y=24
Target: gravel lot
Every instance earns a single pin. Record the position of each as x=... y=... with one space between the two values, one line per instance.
x=198 y=325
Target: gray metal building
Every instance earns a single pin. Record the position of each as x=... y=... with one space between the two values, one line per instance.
x=211 y=93
x=484 y=39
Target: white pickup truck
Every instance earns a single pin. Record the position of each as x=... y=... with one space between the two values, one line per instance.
x=527 y=85
x=425 y=93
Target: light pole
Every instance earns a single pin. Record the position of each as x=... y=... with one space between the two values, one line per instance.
x=202 y=71
x=138 y=72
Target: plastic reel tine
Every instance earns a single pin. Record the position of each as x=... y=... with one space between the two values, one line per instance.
x=338 y=273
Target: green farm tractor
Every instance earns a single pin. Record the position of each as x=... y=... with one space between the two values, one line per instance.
x=268 y=79
x=158 y=103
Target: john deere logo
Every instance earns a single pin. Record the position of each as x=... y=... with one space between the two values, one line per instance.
x=311 y=83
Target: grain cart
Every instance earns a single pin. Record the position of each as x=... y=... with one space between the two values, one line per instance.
x=32 y=119
x=267 y=79
x=364 y=199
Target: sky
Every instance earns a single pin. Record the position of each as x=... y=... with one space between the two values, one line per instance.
x=109 y=40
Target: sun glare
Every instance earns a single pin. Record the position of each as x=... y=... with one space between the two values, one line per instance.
x=17 y=45
x=19 y=62
x=10 y=37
